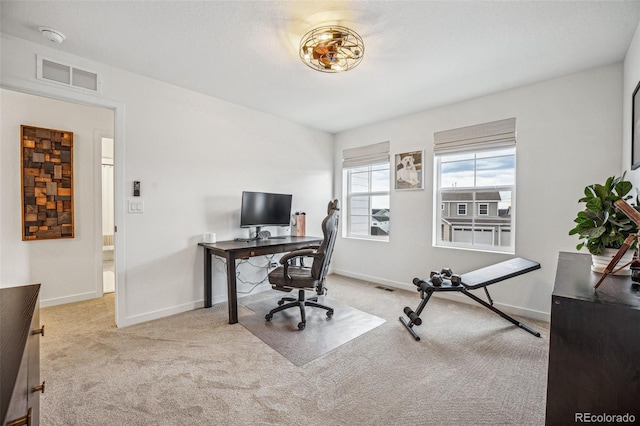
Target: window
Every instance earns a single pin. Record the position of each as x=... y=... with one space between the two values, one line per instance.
x=367 y=182
x=475 y=171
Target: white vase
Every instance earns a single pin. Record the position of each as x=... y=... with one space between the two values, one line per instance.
x=602 y=261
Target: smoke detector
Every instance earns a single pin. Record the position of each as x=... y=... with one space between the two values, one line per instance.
x=52 y=35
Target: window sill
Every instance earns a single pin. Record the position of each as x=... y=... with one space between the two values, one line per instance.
x=476 y=249
x=378 y=240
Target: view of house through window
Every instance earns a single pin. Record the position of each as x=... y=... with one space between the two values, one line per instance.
x=475 y=191
x=367 y=198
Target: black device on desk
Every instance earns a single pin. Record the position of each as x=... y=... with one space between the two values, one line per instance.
x=264 y=209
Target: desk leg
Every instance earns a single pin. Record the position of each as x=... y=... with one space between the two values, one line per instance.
x=207 y=278
x=232 y=295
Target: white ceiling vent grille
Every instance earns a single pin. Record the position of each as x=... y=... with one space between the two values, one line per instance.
x=56 y=72
x=68 y=75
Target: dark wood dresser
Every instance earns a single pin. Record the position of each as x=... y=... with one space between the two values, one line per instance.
x=594 y=346
x=20 y=332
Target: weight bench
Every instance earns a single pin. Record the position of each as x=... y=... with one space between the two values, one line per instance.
x=446 y=280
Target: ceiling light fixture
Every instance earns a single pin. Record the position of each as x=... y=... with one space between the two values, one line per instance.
x=331 y=49
x=52 y=35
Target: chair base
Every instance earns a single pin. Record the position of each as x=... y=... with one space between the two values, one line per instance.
x=300 y=302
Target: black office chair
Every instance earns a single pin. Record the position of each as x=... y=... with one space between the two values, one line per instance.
x=290 y=276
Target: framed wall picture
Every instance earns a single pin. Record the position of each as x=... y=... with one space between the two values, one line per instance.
x=635 y=129
x=409 y=170
x=46 y=157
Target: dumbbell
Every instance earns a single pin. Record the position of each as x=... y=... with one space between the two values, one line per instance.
x=412 y=316
x=456 y=279
x=446 y=272
x=437 y=280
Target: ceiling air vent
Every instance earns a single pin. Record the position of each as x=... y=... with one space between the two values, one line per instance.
x=68 y=75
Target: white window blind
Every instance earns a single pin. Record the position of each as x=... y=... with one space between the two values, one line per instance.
x=364 y=155
x=501 y=133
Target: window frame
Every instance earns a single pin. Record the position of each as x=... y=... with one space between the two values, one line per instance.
x=347 y=174
x=438 y=224
x=486 y=206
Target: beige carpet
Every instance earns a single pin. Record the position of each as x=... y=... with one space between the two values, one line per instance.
x=470 y=368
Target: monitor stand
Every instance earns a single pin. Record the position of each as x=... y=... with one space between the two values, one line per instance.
x=260 y=235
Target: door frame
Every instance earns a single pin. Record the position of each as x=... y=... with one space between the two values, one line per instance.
x=118 y=108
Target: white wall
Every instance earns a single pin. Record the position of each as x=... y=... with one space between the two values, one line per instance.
x=67 y=267
x=194 y=155
x=631 y=79
x=568 y=136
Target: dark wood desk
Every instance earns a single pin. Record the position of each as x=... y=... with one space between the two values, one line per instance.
x=233 y=250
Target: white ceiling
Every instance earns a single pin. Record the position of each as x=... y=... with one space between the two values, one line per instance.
x=418 y=54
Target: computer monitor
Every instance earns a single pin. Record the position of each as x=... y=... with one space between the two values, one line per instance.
x=265 y=209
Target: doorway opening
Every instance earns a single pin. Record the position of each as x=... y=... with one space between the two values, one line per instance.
x=108 y=221
x=80 y=278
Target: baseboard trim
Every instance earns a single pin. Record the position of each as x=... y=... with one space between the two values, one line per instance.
x=161 y=313
x=375 y=280
x=456 y=297
x=185 y=307
x=45 y=303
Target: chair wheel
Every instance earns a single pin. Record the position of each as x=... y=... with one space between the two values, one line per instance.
x=268 y=317
x=329 y=313
x=302 y=325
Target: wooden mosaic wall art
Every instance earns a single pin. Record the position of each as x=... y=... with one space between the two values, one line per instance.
x=47 y=183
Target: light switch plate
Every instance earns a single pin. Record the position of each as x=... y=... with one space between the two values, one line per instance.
x=136 y=206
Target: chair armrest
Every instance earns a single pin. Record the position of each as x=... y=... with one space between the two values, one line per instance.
x=284 y=260
x=296 y=253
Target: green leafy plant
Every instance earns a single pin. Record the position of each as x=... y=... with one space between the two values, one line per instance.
x=601 y=225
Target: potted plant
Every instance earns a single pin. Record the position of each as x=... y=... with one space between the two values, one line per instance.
x=601 y=227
